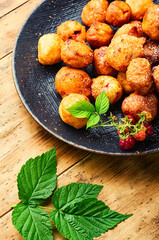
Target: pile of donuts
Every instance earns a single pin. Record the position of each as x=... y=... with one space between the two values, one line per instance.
x=126 y=61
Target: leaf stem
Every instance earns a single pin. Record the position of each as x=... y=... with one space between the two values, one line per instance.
x=52 y=209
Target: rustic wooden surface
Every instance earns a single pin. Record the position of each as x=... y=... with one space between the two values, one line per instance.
x=130 y=184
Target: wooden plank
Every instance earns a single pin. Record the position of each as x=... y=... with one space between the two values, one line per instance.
x=130 y=186
x=21 y=138
x=11 y=23
x=9 y=5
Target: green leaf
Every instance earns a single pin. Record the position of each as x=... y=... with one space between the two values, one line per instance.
x=73 y=193
x=32 y=222
x=85 y=220
x=37 y=178
x=93 y=120
x=102 y=103
x=81 y=109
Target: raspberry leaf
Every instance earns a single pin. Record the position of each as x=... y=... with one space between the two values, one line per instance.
x=73 y=193
x=37 y=178
x=32 y=222
x=86 y=219
x=93 y=120
x=102 y=103
x=81 y=109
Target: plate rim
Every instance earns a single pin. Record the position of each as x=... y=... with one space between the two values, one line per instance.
x=137 y=153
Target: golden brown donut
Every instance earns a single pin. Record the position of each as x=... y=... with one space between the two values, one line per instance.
x=121 y=77
x=111 y=86
x=156 y=78
x=70 y=80
x=151 y=51
x=49 y=49
x=134 y=28
x=118 y=13
x=150 y=24
x=76 y=54
x=100 y=65
x=66 y=116
x=137 y=104
x=139 y=75
x=72 y=30
x=94 y=11
x=138 y=8
x=99 y=34
x=123 y=49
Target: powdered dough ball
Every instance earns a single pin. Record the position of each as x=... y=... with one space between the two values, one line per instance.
x=151 y=51
x=94 y=11
x=70 y=80
x=136 y=104
x=100 y=65
x=76 y=54
x=49 y=49
x=99 y=34
x=66 y=116
x=150 y=24
x=139 y=75
x=156 y=78
x=111 y=86
x=72 y=30
x=138 y=8
x=121 y=77
x=118 y=13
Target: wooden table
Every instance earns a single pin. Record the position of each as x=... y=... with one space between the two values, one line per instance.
x=131 y=184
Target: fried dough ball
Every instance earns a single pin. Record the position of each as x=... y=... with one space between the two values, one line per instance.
x=99 y=34
x=123 y=49
x=66 y=116
x=156 y=78
x=137 y=104
x=76 y=54
x=150 y=24
x=138 y=8
x=94 y=11
x=134 y=28
x=72 y=30
x=151 y=51
x=111 y=86
x=49 y=49
x=121 y=77
x=70 y=80
x=100 y=65
x=139 y=75
x=118 y=13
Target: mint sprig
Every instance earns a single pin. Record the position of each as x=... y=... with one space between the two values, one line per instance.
x=84 y=109
x=78 y=214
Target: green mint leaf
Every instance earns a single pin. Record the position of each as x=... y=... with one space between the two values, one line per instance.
x=85 y=220
x=37 y=178
x=102 y=103
x=81 y=109
x=73 y=193
x=93 y=120
x=32 y=222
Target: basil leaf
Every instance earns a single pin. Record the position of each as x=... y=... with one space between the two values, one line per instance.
x=93 y=120
x=32 y=222
x=74 y=192
x=85 y=220
x=102 y=103
x=81 y=109
x=37 y=178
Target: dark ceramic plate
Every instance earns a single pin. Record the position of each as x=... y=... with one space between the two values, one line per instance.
x=36 y=88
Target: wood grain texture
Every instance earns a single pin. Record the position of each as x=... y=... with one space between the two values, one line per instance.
x=11 y=23
x=8 y=5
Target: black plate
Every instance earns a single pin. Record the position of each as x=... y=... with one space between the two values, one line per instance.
x=35 y=84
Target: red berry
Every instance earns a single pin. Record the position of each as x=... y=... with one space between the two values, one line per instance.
x=140 y=136
x=149 y=129
x=129 y=116
x=128 y=143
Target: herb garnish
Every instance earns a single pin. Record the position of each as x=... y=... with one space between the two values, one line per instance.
x=78 y=214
